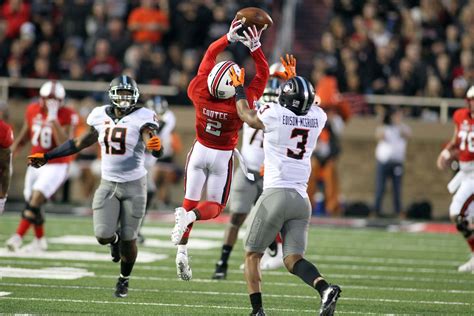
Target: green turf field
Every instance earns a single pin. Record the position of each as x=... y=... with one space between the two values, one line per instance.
x=379 y=272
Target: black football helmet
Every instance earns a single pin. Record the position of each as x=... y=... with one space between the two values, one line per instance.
x=272 y=90
x=158 y=104
x=297 y=95
x=124 y=102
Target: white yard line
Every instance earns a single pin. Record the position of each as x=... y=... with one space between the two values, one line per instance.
x=5 y=293
x=221 y=293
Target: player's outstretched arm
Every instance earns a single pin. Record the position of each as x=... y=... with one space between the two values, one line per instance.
x=446 y=154
x=68 y=148
x=246 y=114
x=290 y=67
x=20 y=139
x=252 y=41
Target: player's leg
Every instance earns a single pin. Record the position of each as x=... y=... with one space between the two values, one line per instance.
x=379 y=187
x=243 y=195
x=397 y=174
x=16 y=240
x=460 y=212
x=273 y=257
x=266 y=220
x=295 y=234
x=132 y=197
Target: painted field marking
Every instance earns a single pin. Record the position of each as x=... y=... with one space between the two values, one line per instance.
x=143 y=256
x=182 y=305
x=384 y=300
x=195 y=243
x=5 y=293
x=57 y=273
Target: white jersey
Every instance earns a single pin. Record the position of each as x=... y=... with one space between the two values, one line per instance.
x=252 y=147
x=122 y=147
x=167 y=125
x=288 y=143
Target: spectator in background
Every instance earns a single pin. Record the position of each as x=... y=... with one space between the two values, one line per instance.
x=153 y=67
x=102 y=66
x=15 y=12
x=391 y=137
x=147 y=23
x=118 y=36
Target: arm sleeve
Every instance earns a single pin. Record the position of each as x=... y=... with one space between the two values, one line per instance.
x=256 y=87
x=209 y=59
x=269 y=117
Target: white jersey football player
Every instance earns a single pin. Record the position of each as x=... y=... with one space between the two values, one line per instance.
x=123 y=130
x=291 y=128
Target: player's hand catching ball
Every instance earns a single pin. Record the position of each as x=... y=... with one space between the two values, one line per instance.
x=237 y=79
x=232 y=35
x=290 y=68
x=37 y=160
x=153 y=143
x=252 y=38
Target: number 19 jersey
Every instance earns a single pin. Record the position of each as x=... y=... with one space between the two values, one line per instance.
x=288 y=143
x=122 y=147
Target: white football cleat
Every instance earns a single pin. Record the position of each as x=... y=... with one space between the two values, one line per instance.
x=36 y=245
x=14 y=243
x=272 y=259
x=180 y=226
x=182 y=267
x=468 y=266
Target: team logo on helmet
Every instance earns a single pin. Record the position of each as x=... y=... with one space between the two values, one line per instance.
x=219 y=83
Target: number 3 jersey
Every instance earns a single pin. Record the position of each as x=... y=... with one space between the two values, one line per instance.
x=122 y=147
x=41 y=131
x=288 y=143
x=465 y=137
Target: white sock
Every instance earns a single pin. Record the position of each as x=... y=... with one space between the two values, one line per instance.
x=183 y=249
x=190 y=217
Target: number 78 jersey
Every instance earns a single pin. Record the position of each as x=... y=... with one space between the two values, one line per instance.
x=465 y=134
x=122 y=147
x=288 y=143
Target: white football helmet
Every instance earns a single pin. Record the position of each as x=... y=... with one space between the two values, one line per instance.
x=52 y=90
x=470 y=93
x=219 y=82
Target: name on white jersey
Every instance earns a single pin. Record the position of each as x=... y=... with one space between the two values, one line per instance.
x=215 y=114
x=300 y=121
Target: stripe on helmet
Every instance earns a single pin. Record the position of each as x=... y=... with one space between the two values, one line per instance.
x=305 y=92
x=219 y=75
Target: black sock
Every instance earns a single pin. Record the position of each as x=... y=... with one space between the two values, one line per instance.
x=256 y=301
x=309 y=273
x=126 y=268
x=225 y=254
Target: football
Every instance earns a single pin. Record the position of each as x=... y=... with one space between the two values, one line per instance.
x=254 y=16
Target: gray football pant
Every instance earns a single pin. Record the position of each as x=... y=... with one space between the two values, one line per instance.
x=279 y=210
x=119 y=205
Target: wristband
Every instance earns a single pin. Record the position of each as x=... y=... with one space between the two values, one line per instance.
x=240 y=93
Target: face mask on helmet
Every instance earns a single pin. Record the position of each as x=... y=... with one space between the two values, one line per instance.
x=297 y=95
x=123 y=92
x=158 y=104
x=219 y=83
x=272 y=90
x=52 y=92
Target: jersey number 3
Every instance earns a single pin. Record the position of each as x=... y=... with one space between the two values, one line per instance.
x=301 y=145
x=113 y=136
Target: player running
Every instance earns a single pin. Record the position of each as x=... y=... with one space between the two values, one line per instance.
x=291 y=128
x=461 y=146
x=210 y=160
x=244 y=193
x=47 y=123
x=6 y=140
x=123 y=130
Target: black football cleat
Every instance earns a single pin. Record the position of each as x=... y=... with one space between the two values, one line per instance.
x=121 y=289
x=273 y=249
x=115 y=252
x=329 y=300
x=221 y=271
x=260 y=312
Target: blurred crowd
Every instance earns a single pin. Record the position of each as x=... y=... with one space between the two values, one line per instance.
x=400 y=47
x=154 y=41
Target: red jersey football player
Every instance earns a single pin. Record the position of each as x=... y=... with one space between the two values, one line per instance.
x=6 y=140
x=461 y=210
x=47 y=124
x=210 y=160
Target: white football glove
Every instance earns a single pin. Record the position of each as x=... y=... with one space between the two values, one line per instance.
x=232 y=35
x=2 y=204
x=252 y=38
x=53 y=108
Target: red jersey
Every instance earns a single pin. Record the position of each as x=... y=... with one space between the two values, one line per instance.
x=41 y=131
x=217 y=121
x=6 y=135
x=465 y=137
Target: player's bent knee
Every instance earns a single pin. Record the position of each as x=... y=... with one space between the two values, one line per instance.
x=103 y=232
x=128 y=233
x=462 y=225
x=290 y=261
x=33 y=215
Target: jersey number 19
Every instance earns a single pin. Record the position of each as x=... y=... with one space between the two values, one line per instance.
x=113 y=136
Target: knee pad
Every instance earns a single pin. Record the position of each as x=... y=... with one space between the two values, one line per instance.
x=33 y=215
x=462 y=225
